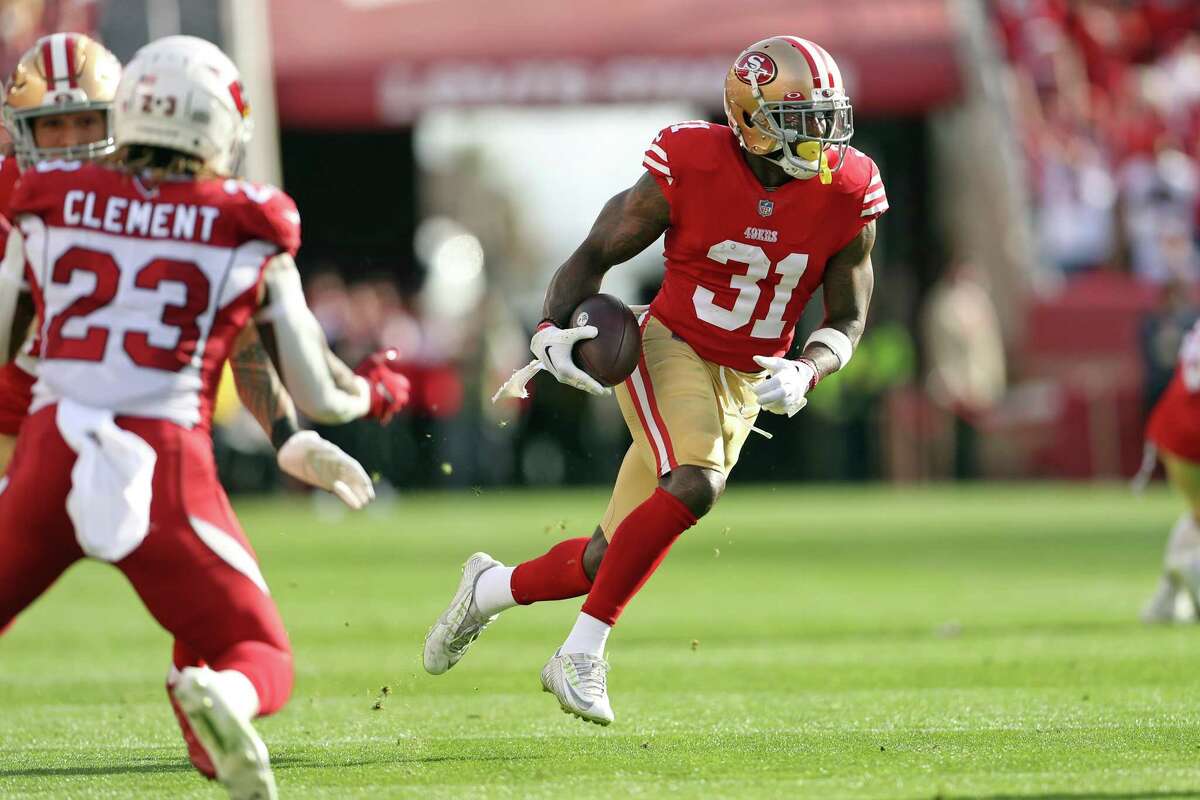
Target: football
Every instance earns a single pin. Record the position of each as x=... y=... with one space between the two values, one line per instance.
x=613 y=354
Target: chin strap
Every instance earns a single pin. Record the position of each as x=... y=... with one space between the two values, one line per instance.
x=823 y=172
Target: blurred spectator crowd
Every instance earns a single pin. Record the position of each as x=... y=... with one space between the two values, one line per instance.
x=23 y=21
x=1107 y=106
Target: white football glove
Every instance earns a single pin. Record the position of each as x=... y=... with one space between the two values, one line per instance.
x=552 y=345
x=309 y=458
x=784 y=391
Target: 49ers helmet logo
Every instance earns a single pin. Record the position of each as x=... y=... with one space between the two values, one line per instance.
x=761 y=65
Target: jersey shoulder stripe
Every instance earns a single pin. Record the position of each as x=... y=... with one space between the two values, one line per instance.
x=685 y=147
x=864 y=179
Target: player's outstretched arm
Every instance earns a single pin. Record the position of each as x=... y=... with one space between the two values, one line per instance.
x=848 y=282
x=324 y=388
x=301 y=355
x=260 y=388
x=302 y=454
x=628 y=224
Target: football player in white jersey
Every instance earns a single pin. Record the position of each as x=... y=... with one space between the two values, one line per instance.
x=145 y=272
x=58 y=106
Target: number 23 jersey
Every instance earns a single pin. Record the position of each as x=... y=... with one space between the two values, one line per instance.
x=741 y=261
x=141 y=291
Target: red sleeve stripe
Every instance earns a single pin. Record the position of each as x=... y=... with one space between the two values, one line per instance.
x=875 y=195
x=878 y=208
x=658 y=151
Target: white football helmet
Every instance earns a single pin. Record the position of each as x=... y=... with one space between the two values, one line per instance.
x=183 y=93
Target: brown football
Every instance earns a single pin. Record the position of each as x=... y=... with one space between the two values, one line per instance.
x=614 y=353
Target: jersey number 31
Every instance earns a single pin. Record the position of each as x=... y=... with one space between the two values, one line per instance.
x=790 y=270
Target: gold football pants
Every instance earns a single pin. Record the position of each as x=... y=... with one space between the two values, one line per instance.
x=1184 y=477
x=681 y=410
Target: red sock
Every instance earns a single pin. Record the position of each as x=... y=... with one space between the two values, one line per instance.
x=638 y=546
x=555 y=576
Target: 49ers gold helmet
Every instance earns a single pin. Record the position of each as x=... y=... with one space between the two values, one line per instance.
x=64 y=73
x=785 y=100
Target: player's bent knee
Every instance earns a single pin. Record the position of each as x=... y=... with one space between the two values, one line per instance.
x=698 y=488
x=593 y=554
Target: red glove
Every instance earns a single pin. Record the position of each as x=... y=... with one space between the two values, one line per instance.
x=389 y=388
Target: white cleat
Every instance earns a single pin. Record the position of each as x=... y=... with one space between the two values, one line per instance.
x=1183 y=573
x=1169 y=603
x=236 y=750
x=458 y=627
x=580 y=682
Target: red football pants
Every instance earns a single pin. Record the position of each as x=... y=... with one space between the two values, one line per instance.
x=16 y=392
x=217 y=612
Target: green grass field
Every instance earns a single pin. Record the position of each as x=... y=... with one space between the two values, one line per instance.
x=802 y=642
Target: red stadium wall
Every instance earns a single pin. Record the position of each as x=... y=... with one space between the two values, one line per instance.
x=1085 y=344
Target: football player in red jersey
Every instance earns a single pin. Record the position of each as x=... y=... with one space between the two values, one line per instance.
x=1174 y=430
x=757 y=215
x=144 y=272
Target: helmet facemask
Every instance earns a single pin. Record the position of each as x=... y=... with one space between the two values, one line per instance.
x=20 y=124
x=62 y=75
x=805 y=130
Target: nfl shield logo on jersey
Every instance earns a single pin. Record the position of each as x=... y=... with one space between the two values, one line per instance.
x=766 y=207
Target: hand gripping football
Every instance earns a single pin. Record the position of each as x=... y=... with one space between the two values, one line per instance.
x=614 y=353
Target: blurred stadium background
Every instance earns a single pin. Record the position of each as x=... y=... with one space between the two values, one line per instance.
x=1035 y=273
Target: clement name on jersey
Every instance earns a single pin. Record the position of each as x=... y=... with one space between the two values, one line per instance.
x=742 y=261
x=141 y=290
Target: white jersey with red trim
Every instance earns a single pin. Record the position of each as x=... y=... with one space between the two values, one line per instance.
x=141 y=291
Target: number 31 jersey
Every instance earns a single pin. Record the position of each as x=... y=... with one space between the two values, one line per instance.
x=742 y=261
x=141 y=290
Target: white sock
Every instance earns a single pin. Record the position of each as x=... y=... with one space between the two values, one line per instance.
x=237 y=689
x=493 y=591
x=588 y=636
x=1184 y=537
